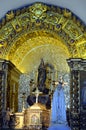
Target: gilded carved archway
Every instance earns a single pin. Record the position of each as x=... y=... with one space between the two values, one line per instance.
x=41 y=31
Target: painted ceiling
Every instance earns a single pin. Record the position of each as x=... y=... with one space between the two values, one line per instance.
x=41 y=31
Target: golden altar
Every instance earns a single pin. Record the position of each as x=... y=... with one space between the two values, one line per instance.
x=36 y=117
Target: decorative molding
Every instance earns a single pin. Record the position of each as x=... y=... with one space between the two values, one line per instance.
x=41 y=17
x=29 y=27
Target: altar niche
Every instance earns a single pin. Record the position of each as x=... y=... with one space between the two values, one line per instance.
x=45 y=72
x=44 y=81
x=41 y=92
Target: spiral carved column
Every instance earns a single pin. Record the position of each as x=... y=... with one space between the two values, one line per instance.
x=77 y=113
x=74 y=96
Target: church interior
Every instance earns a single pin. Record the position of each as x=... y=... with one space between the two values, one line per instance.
x=32 y=33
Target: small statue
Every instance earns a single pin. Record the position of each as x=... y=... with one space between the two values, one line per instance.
x=6 y=118
x=41 y=76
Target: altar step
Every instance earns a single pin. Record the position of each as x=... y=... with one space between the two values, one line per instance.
x=59 y=127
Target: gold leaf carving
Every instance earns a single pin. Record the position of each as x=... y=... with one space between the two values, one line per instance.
x=34 y=27
x=73 y=30
x=16 y=25
x=66 y=13
x=10 y=15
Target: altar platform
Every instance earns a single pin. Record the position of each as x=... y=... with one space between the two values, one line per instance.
x=59 y=127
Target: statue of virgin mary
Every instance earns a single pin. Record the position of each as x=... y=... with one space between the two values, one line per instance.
x=58 y=115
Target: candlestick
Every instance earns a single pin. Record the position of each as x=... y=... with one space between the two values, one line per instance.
x=14 y=88
x=36 y=76
x=23 y=101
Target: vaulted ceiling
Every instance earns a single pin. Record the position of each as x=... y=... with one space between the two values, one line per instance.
x=42 y=31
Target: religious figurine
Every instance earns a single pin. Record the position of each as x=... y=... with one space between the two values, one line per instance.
x=41 y=76
x=6 y=118
x=40 y=87
x=58 y=115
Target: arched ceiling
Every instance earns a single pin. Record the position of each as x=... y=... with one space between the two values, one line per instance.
x=41 y=31
x=32 y=50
